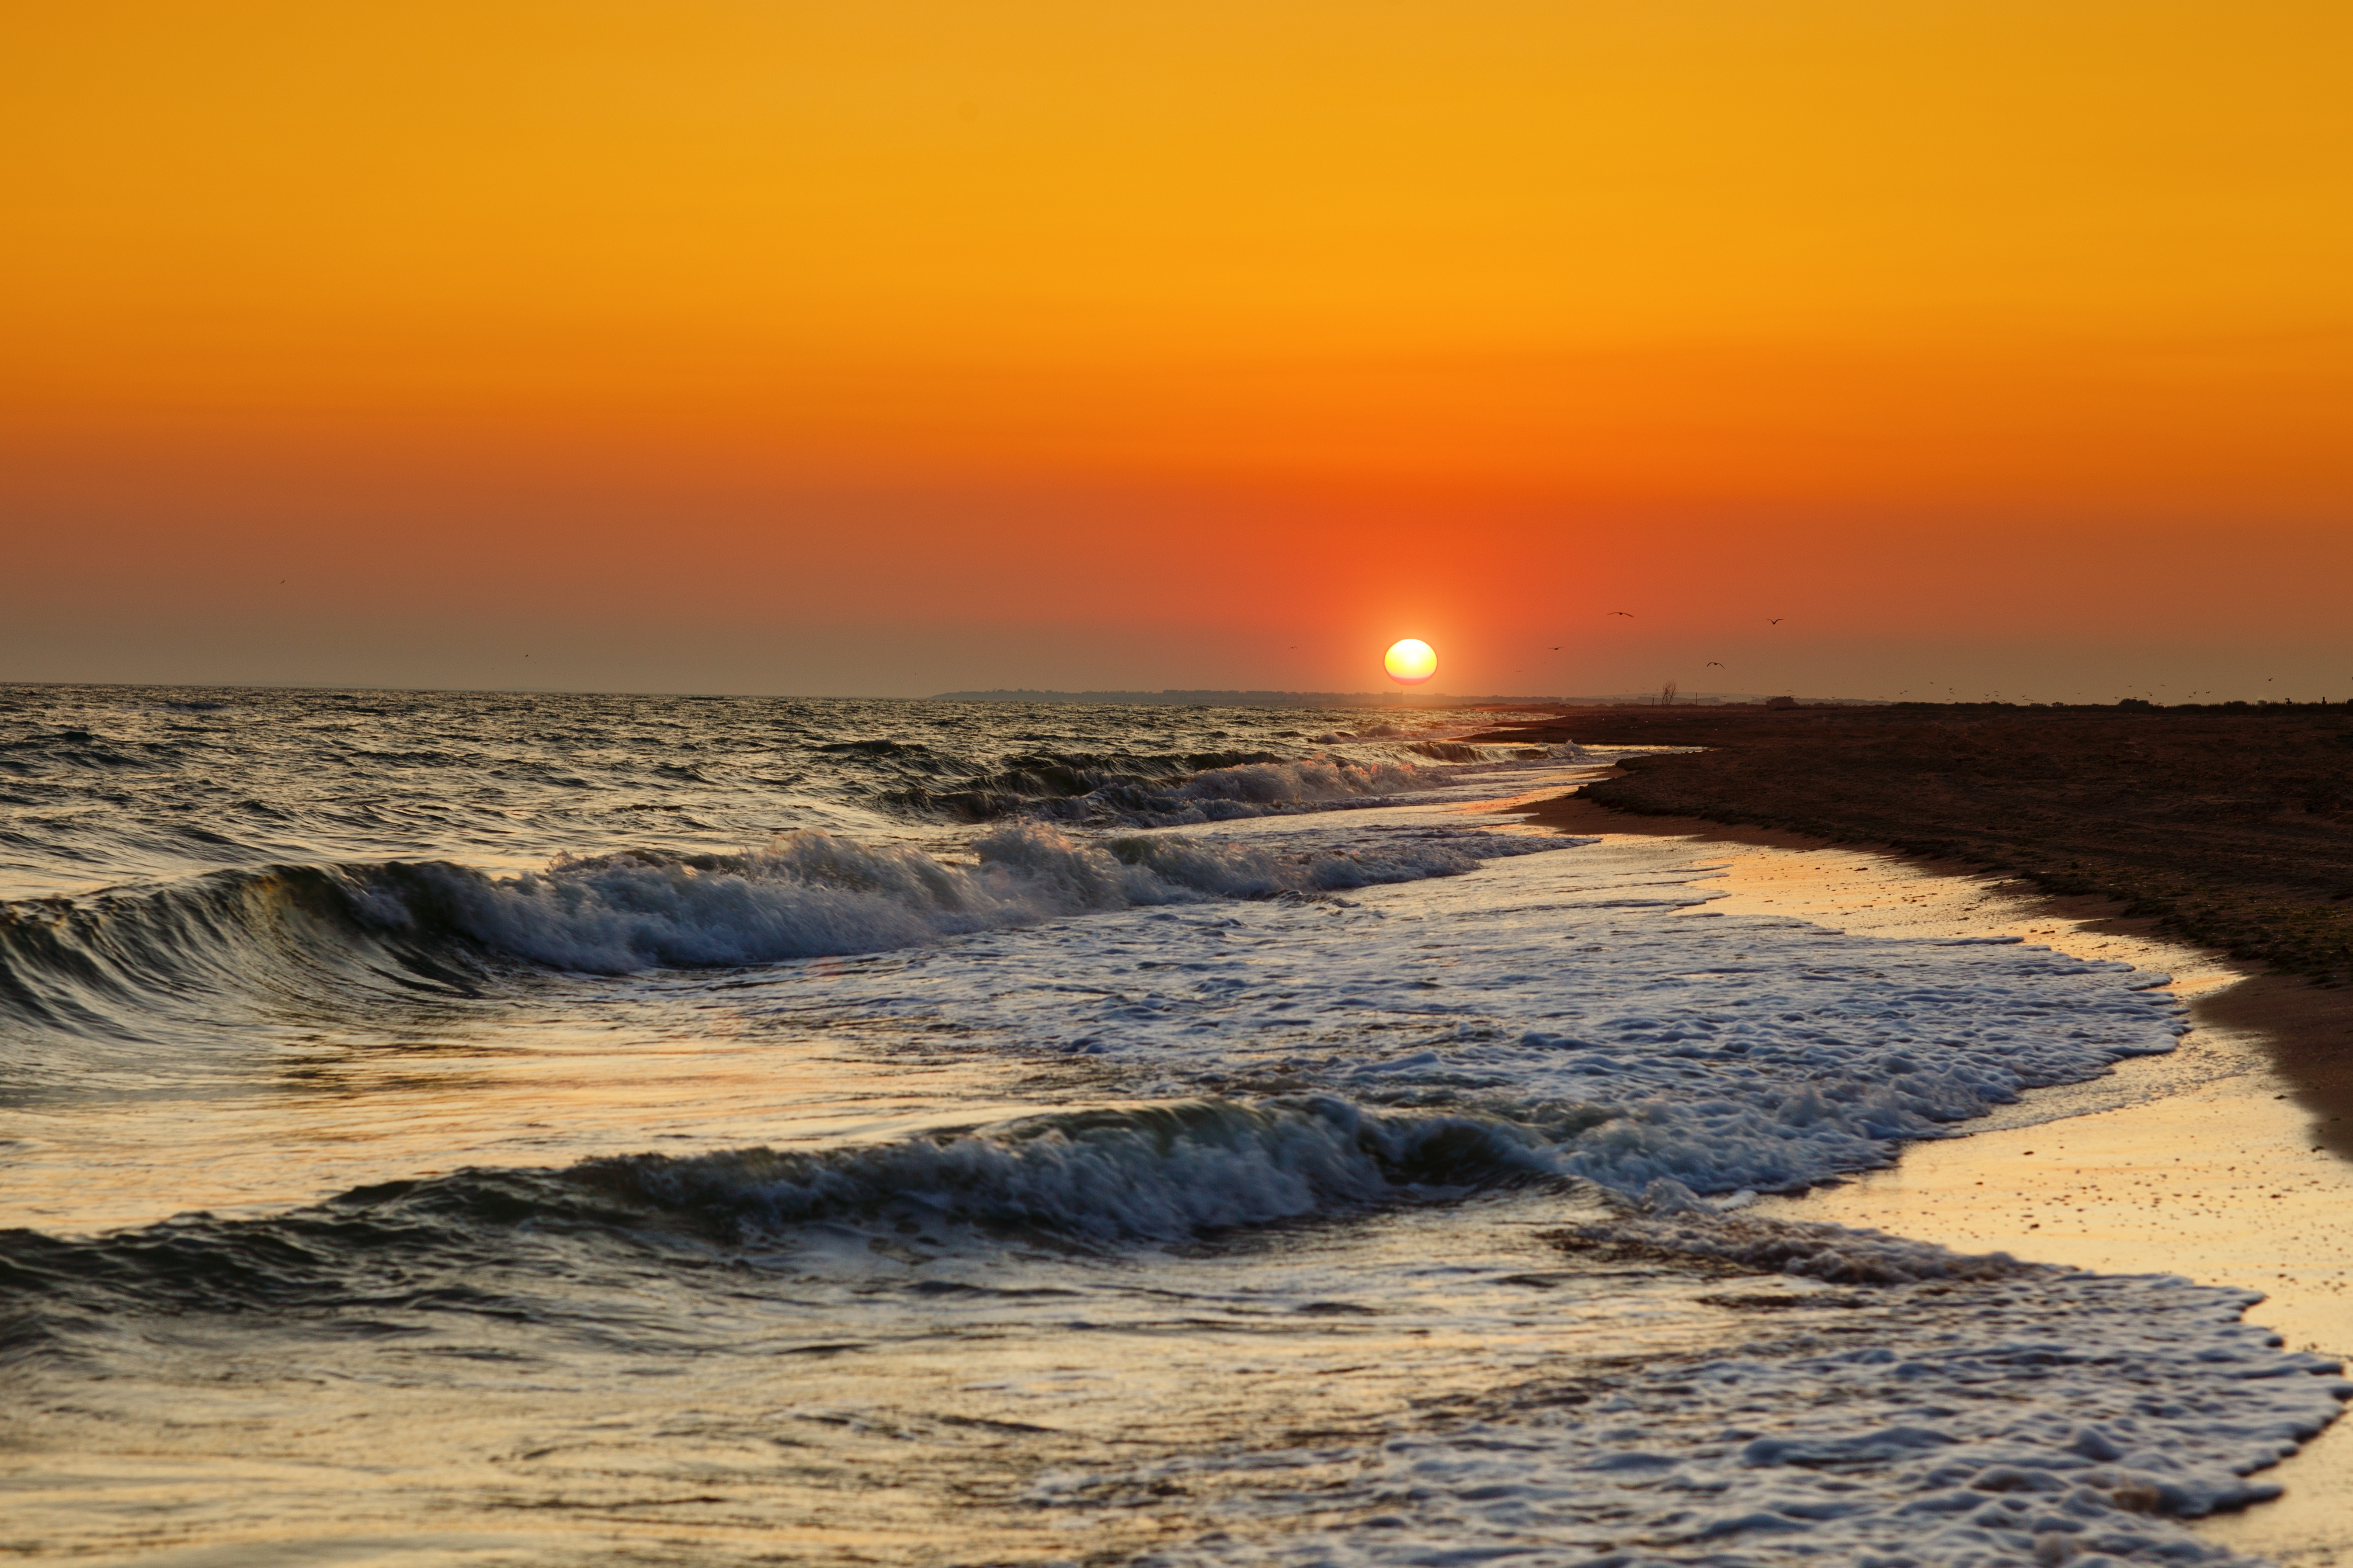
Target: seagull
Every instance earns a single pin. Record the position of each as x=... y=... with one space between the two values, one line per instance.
x=1715 y=664
x=1627 y=614
x=1774 y=622
x=1555 y=647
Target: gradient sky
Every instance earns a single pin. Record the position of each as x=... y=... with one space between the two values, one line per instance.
x=894 y=347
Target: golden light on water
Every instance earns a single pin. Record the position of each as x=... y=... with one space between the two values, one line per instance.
x=1411 y=661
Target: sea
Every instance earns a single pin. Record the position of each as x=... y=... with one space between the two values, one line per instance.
x=519 y=1130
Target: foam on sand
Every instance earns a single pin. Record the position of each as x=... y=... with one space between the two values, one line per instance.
x=1949 y=1411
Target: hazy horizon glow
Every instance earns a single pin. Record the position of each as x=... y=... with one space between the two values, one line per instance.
x=905 y=348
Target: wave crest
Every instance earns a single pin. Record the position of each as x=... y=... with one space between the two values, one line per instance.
x=812 y=894
x=1155 y=1172
x=104 y=966
x=1162 y=1172
x=1175 y=791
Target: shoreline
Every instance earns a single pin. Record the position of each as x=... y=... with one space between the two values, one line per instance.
x=2234 y=829
x=2308 y=1028
x=2205 y=1162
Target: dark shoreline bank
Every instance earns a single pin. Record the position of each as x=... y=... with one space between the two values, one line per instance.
x=2229 y=831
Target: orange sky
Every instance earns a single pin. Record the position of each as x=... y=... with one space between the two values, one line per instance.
x=891 y=347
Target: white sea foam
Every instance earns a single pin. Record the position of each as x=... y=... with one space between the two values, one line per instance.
x=1720 y=1053
x=1576 y=1007
x=1994 y=1414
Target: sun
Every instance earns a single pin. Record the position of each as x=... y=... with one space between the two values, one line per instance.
x=1411 y=661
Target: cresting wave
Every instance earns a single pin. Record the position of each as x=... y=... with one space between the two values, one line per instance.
x=1159 y=1172
x=1165 y=791
x=122 y=966
x=97 y=965
x=1156 y=1173
x=813 y=894
x=1152 y=1174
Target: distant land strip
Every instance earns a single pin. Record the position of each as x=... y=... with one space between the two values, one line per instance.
x=1174 y=698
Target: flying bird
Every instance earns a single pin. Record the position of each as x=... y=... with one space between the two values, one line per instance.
x=1715 y=664
x=1627 y=614
x=1774 y=622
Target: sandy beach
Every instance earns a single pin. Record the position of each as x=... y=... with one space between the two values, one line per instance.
x=2219 y=1162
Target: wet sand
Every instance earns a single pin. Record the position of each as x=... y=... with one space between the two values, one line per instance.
x=2205 y=1163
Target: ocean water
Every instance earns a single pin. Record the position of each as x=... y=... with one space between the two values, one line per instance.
x=504 y=1130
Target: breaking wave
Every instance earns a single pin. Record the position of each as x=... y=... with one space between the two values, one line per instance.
x=295 y=933
x=1175 y=791
x=811 y=894
x=1162 y=1172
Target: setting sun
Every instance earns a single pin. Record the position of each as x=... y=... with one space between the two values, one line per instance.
x=1411 y=661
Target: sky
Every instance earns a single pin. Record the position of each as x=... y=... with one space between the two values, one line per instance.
x=889 y=347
